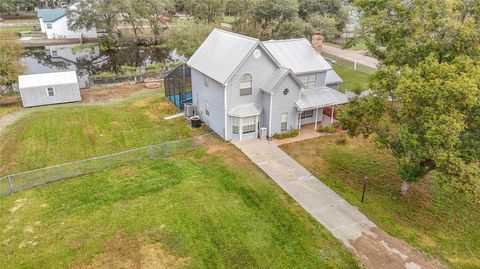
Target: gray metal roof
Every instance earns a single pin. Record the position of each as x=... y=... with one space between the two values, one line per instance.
x=278 y=77
x=221 y=54
x=245 y=110
x=333 y=77
x=320 y=97
x=298 y=55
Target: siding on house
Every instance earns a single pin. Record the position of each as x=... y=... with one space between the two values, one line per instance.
x=261 y=69
x=37 y=96
x=211 y=96
x=60 y=30
x=285 y=103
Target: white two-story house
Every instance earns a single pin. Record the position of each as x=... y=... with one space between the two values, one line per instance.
x=241 y=84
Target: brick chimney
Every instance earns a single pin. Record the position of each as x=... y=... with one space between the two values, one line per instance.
x=317 y=42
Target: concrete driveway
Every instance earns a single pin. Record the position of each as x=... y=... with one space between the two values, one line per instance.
x=359 y=56
x=372 y=246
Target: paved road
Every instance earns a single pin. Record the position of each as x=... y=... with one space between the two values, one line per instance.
x=372 y=246
x=351 y=55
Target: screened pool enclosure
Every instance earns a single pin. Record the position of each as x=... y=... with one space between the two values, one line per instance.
x=178 y=86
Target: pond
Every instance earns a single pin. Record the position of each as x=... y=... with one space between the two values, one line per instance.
x=88 y=60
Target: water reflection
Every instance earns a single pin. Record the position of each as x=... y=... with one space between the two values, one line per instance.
x=88 y=60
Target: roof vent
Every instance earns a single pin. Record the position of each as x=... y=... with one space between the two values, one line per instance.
x=257 y=53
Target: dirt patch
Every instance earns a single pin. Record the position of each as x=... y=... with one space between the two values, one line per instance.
x=103 y=94
x=134 y=252
x=380 y=250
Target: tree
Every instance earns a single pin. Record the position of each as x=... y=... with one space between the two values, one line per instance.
x=326 y=25
x=434 y=122
x=152 y=11
x=10 y=66
x=187 y=36
x=296 y=28
x=406 y=32
x=100 y=14
x=205 y=10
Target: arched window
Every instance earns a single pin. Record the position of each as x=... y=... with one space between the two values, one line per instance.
x=246 y=85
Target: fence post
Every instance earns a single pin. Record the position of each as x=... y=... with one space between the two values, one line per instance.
x=355 y=65
x=10 y=185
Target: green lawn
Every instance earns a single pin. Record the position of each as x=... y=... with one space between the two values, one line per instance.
x=210 y=208
x=352 y=79
x=430 y=218
x=229 y=19
x=57 y=134
x=8 y=109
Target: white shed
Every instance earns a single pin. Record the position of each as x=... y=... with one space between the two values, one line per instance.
x=49 y=88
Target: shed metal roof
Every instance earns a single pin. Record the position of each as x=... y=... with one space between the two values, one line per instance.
x=320 y=97
x=47 y=79
x=51 y=15
x=298 y=55
x=246 y=110
x=221 y=54
x=333 y=77
x=278 y=77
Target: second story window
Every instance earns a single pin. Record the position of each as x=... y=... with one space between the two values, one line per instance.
x=49 y=26
x=246 y=85
x=309 y=80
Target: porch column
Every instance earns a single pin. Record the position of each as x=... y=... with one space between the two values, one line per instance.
x=316 y=119
x=299 y=122
x=331 y=116
x=241 y=129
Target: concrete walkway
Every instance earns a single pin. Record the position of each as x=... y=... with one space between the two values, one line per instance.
x=372 y=246
x=359 y=56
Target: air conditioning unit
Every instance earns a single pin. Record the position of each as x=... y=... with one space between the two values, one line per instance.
x=189 y=110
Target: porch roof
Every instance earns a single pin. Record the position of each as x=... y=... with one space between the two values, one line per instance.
x=246 y=110
x=320 y=97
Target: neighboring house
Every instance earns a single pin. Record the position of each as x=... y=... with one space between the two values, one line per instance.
x=240 y=84
x=49 y=88
x=54 y=24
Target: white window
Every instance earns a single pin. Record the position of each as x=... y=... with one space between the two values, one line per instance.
x=205 y=81
x=309 y=80
x=207 y=111
x=246 y=85
x=50 y=91
x=307 y=114
x=249 y=125
x=54 y=53
x=283 y=121
x=49 y=26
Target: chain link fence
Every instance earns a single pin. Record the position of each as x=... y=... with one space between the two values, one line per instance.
x=26 y=180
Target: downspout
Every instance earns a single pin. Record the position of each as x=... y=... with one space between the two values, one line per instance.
x=226 y=111
x=270 y=117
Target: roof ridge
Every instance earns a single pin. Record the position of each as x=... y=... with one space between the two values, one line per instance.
x=236 y=34
x=284 y=40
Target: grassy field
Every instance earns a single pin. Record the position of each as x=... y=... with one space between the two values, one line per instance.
x=210 y=208
x=57 y=134
x=429 y=218
x=8 y=109
x=351 y=78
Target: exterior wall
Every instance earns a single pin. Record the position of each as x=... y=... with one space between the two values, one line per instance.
x=261 y=70
x=37 y=96
x=42 y=25
x=285 y=103
x=312 y=119
x=321 y=78
x=214 y=97
x=334 y=86
x=60 y=30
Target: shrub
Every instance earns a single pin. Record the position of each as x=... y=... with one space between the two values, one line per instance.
x=327 y=129
x=291 y=133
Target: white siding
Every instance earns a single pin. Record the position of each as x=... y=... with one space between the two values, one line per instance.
x=60 y=30
x=37 y=96
x=285 y=103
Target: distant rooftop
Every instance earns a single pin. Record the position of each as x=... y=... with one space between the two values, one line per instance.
x=51 y=15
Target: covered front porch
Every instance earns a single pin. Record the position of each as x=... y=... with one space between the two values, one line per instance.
x=317 y=107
